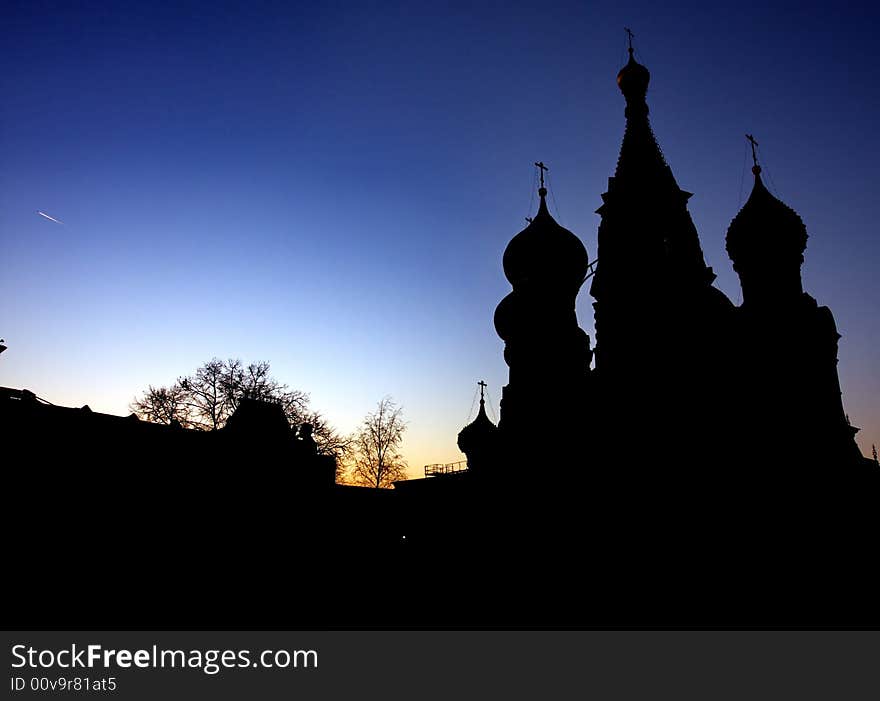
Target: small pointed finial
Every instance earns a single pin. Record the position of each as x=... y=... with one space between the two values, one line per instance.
x=629 y=37
x=756 y=169
x=529 y=220
x=483 y=386
x=540 y=165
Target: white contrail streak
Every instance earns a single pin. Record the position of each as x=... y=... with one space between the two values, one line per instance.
x=43 y=214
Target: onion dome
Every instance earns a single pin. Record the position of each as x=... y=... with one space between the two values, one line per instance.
x=545 y=253
x=508 y=316
x=765 y=229
x=633 y=79
x=478 y=434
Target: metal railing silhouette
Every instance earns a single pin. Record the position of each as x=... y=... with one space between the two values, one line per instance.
x=445 y=468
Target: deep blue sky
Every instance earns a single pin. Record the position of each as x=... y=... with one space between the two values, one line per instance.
x=330 y=187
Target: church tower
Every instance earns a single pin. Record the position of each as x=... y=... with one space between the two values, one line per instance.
x=660 y=324
x=790 y=388
x=479 y=439
x=766 y=243
x=547 y=352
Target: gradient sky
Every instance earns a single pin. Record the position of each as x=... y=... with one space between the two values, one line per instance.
x=330 y=187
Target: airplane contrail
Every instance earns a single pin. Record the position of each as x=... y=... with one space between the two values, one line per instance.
x=43 y=214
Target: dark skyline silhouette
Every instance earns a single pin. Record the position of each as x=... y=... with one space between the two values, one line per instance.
x=215 y=167
x=751 y=504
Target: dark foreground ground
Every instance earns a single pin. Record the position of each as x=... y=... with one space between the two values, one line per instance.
x=95 y=547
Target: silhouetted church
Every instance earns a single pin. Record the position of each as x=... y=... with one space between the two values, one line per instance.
x=695 y=468
x=700 y=382
x=699 y=441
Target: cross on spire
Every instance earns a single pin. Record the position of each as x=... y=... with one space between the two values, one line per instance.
x=629 y=36
x=751 y=140
x=542 y=167
x=483 y=386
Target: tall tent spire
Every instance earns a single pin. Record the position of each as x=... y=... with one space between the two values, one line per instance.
x=652 y=262
x=644 y=178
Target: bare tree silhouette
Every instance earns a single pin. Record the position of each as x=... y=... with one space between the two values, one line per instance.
x=207 y=398
x=163 y=405
x=210 y=392
x=376 y=459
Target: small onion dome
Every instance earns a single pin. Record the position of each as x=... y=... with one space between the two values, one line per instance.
x=633 y=79
x=765 y=228
x=478 y=433
x=545 y=253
